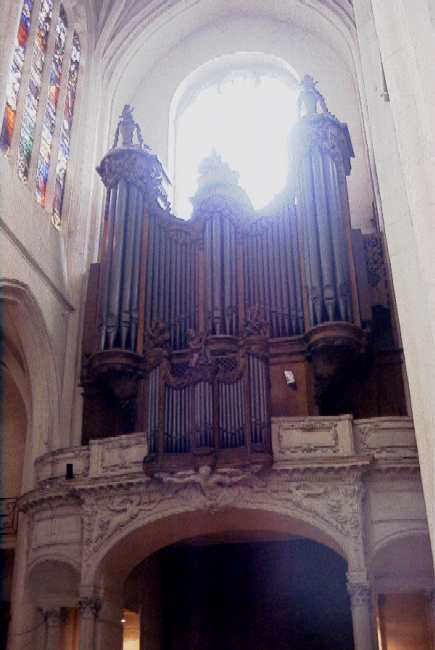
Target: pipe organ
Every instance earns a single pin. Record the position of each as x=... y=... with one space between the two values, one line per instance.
x=190 y=325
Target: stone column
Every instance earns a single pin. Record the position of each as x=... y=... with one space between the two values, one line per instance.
x=88 y=611
x=54 y=620
x=363 y=633
x=108 y=629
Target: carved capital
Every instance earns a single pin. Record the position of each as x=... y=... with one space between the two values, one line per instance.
x=89 y=607
x=54 y=616
x=359 y=593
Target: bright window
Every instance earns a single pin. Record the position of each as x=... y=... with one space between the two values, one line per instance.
x=42 y=155
x=245 y=116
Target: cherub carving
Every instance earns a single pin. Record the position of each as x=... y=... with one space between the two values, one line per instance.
x=205 y=477
x=256 y=324
x=199 y=353
x=159 y=335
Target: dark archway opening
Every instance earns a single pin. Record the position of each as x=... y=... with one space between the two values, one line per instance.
x=262 y=595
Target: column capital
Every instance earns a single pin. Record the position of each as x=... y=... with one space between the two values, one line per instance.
x=53 y=616
x=89 y=607
x=359 y=593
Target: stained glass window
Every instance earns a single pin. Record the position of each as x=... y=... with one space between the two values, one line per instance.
x=65 y=135
x=49 y=122
x=32 y=98
x=14 y=78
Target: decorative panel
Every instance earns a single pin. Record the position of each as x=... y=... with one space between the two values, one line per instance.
x=32 y=98
x=50 y=109
x=65 y=135
x=15 y=73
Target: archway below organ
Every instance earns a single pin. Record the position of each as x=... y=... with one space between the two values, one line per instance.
x=242 y=593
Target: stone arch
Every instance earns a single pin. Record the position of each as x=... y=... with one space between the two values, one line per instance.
x=402 y=559
x=335 y=21
x=54 y=580
x=14 y=418
x=131 y=544
x=33 y=367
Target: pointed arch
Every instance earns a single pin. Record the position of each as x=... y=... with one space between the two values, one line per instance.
x=20 y=310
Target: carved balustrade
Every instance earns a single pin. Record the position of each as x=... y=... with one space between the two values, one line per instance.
x=298 y=441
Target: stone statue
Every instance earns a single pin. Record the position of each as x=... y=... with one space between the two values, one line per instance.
x=127 y=128
x=310 y=98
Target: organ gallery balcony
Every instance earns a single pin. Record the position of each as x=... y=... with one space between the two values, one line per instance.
x=297 y=443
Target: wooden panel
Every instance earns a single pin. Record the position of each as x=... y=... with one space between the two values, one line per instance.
x=90 y=325
x=404 y=622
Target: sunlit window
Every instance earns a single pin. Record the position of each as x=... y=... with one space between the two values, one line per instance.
x=245 y=117
x=36 y=166
x=28 y=123
x=15 y=74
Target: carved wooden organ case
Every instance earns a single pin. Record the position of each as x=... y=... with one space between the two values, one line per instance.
x=191 y=325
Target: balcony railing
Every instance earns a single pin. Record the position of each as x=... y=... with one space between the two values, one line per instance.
x=298 y=441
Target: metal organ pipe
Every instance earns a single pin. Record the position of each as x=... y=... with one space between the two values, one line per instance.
x=338 y=239
x=324 y=222
x=311 y=244
x=126 y=276
x=107 y=261
x=121 y=265
x=135 y=279
x=296 y=274
x=321 y=150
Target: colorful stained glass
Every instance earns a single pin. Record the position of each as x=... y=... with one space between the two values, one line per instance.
x=32 y=98
x=49 y=122
x=14 y=78
x=65 y=135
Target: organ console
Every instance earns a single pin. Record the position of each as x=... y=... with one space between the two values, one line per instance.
x=190 y=325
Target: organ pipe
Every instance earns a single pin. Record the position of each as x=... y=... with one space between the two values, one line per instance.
x=321 y=151
x=132 y=176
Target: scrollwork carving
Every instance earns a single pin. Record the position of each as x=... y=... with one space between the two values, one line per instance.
x=332 y=506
